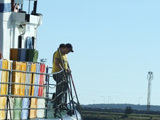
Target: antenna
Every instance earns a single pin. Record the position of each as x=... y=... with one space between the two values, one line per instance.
x=149 y=78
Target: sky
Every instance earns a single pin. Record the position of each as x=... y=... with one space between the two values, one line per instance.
x=115 y=42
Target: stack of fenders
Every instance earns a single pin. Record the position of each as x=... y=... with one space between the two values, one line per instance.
x=22 y=54
x=21 y=100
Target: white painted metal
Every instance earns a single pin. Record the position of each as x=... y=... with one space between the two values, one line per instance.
x=5 y=1
x=12 y=25
x=5 y=31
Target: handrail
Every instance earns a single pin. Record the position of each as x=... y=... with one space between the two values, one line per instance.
x=25 y=96
x=10 y=83
x=8 y=70
x=15 y=83
x=46 y=85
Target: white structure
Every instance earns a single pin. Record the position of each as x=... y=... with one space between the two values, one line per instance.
x=150 y=78
x=16 y=28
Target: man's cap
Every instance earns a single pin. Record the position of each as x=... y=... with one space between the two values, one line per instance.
x=68 y=45
x=62 y=45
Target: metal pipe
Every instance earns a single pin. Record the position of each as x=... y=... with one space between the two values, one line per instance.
x=12 y=5
x=47 y=91
x=35 y=7
x=24 y=72
x=23 y=109
x=18 y=96
x=13 y=83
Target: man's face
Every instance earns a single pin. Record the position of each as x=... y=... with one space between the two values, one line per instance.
x=67 y=50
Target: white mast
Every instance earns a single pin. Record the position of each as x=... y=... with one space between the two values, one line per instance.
x=150 y=78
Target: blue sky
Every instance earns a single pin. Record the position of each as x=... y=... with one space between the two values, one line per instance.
x=116 y=42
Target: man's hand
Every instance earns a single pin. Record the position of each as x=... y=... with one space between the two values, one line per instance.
x=68 y=71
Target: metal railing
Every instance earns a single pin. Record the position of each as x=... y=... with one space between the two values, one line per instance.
x=9 y=88
x=71 y=104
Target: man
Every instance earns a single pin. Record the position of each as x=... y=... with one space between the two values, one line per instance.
x=60 y=70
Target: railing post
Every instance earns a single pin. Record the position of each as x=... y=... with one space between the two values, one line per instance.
x=32 y=75
x=9 y=93
x=47 y=91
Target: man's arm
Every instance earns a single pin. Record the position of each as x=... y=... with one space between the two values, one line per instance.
x=58 y=63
